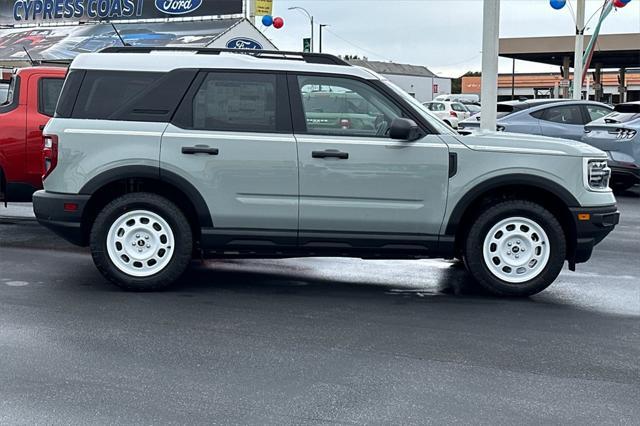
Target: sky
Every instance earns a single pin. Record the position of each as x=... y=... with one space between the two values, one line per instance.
x=445 y=36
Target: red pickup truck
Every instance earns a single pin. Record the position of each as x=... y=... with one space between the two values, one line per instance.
x=30 y=100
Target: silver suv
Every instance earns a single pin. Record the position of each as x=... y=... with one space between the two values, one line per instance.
x=159 y=155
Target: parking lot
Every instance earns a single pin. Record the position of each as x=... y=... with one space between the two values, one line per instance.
x=325 y=341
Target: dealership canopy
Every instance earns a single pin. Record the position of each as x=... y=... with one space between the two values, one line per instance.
x=612 y=50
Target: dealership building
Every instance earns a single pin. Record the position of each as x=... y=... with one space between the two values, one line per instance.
x=416 y=80
x=614 y=75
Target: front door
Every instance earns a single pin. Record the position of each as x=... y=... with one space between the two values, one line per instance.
x=232 y=139
x=359 y=188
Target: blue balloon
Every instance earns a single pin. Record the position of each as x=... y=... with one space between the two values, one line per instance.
x=557 y=4
x=267 y=20
x=624 y=1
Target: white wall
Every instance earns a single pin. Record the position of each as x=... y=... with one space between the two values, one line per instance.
x=421 y=86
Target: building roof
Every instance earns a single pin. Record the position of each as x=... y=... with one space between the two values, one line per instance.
x=393 y=68
x=612 y=50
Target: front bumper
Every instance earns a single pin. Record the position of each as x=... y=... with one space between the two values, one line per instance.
x=62 y=213
x=593 y=224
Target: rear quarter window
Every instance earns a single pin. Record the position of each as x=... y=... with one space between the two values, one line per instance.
x=48 y=93
x=104 y=92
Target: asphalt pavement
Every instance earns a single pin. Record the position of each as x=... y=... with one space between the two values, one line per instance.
x=315 y=341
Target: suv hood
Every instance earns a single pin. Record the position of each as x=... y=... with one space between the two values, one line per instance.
x=519 y=143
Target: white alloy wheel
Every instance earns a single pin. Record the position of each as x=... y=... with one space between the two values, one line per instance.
x=516 y=250
x=140 y=243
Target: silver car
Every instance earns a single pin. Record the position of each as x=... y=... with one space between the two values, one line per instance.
x=546 y=117
x=618 y=134
x=155 y=156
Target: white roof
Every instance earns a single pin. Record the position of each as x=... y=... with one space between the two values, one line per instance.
x=165 y=61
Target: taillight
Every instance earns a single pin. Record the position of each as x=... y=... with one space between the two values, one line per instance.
x=453 y=114
x=345 y=123
x=49 y=155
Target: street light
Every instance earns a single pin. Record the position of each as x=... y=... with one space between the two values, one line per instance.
x=310 y=19
x=321 y=27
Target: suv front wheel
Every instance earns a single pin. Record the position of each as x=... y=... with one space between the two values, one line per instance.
x=141 y=242
x=515 y=248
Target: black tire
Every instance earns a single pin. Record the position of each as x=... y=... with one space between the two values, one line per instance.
x=473 y=249
x=170 y=213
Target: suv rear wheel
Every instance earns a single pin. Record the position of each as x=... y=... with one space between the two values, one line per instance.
x=515 y=248
x=141 y=242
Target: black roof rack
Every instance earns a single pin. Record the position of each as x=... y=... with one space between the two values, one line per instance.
x=311 y=58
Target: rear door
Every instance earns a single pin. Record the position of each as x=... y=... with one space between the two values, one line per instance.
x=358 y=187
x=563 y=121
x=232 y=139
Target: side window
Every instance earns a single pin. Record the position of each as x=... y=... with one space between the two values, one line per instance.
x=596 y=112
x=48 y=93
x=569 y=114
x=105 y=92
x=344 y=106
x=242 y=102
x=458 y=107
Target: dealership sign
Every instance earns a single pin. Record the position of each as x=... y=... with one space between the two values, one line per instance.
x=31 y=11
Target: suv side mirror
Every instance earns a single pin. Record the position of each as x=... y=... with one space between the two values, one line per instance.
x=404 y=129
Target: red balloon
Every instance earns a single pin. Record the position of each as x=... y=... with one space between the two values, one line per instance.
x=278 y=23
x=619 y=3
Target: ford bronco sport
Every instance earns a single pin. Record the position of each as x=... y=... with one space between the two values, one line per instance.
x=155 y=156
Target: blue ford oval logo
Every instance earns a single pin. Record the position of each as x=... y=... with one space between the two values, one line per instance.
x=178 y=7
x=243 y=43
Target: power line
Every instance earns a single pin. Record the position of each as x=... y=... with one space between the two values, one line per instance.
x=358 y=47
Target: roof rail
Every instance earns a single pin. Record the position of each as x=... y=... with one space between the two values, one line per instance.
x=311 y=58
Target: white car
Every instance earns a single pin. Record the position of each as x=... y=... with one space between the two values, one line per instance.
x=449 y=112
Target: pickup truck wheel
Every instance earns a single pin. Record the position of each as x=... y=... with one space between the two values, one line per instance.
x=141 y=242
x=515 y=248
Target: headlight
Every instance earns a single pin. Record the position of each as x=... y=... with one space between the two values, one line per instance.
x=596 y=174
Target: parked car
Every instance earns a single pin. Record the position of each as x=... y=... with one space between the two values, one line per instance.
x=473 y=109
x=451 y=113
x=31 y=101
x=154 y=157
x=618 y=134
x=462 y=98
x=546 y=117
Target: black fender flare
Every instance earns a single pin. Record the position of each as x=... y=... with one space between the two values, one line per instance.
x=503 y=181
x=155 y=173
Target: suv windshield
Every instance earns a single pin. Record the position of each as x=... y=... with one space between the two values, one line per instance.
x=434 y=121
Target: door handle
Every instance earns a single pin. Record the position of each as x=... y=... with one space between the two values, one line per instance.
x=200 y=149
x=330 y=153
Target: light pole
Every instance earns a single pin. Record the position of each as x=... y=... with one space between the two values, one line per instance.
x=321 y=27
x=579 y=51
x=310 y=20
x=490 y=34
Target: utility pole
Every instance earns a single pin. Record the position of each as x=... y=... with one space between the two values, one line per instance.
x=579 y=50
x=321 y=27
x=490 y=34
